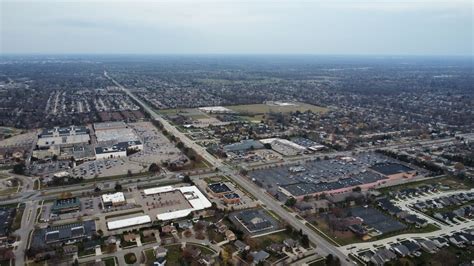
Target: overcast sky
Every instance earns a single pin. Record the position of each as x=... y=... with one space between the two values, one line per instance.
x=423 y=27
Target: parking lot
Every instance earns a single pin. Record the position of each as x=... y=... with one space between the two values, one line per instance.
x=108 y=167
x=49 y=168
x=320 y=175
x=156 y=147
x=89 y=206
x=377 y=220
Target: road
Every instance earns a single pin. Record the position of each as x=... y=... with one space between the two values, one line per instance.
x=27 y=225
x=323 y=246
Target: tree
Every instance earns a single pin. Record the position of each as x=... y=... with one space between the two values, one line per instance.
x=332 y=261
x=154 y=168
x=187 y=179
x=305 y=241
x=290 y=202
x=19 y=169
x=118 y=187
x=357 y=189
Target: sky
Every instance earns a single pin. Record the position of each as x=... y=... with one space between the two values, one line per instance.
x=322 y=27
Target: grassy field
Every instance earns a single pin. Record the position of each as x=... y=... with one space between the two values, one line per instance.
x=265 y=108
x=249 y=112
x=188 y=112
x=214 y=179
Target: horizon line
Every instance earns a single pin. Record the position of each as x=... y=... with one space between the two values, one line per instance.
x=232 y=54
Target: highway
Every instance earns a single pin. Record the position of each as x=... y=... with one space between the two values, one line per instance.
x=323 y=246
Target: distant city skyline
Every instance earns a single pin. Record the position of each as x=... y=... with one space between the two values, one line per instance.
x=424 y=27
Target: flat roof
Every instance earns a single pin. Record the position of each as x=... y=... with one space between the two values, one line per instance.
x=192 y=194
x=133 y=221
x=119 y=147
x=66 y=203
x=219 y=187
x=109 y=125
x=391 y=168
x=232 y=196
x=113 y=197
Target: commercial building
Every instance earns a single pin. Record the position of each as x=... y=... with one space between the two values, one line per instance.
x=284 y=146
x=394 y=170
x=231 y=198
x=244 y=145
x=254 y=221
x=118 y=150
x=218 y=189
x=114 y=131
x=66 y=205
x=128 y=222
x=196 y=199
x=63 y=136
x=63 y=234
x=112 y=200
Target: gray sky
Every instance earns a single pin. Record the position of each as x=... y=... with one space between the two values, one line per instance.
x=420 y=27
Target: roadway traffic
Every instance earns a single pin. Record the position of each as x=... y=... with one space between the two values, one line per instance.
x=323 y=246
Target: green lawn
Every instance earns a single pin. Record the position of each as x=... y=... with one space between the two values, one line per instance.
x=214 y=179
x=266 y=240
x=173 y=256
x=110 y=261
x=149 y=255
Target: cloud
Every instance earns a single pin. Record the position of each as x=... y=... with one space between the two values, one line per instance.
x=238 y=26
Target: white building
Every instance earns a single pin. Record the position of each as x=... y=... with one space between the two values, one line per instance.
x=192 y=194
x=118 y=150
x=128 y=222
x=114 y=199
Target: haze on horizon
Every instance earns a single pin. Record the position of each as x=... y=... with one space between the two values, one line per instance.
x=370 y=27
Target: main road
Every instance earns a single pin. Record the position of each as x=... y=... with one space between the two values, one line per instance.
x=323 y=246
